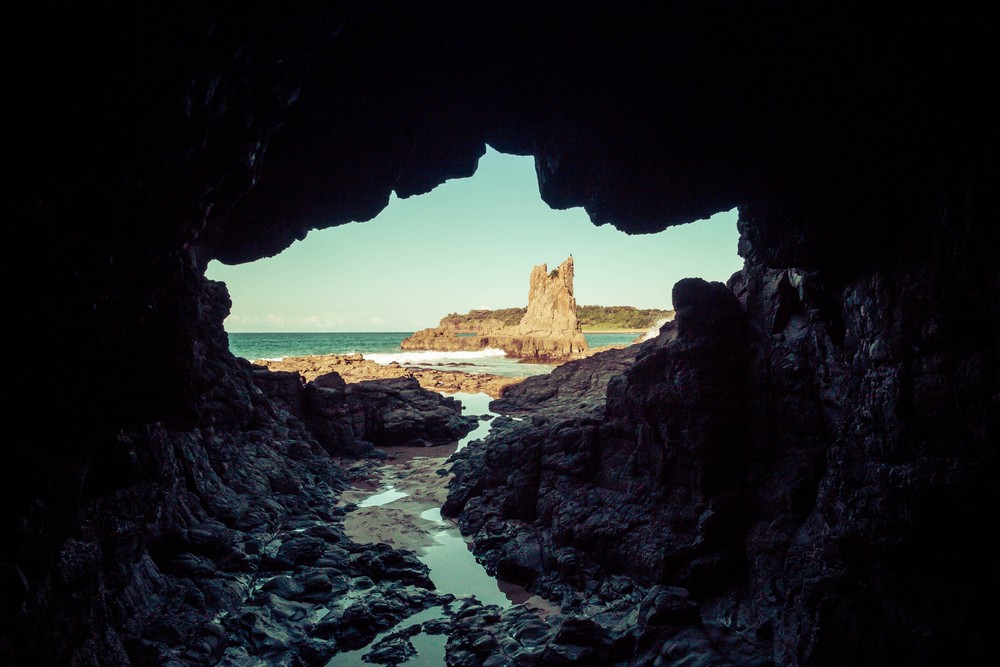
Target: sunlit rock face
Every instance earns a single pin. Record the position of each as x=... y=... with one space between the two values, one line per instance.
x=853 y=466
x=551 y=304
x=548 y=331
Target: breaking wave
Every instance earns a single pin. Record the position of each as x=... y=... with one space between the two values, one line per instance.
x=431 y=356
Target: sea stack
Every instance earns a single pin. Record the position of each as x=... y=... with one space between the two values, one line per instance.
x=551 y=304
x=549 y=330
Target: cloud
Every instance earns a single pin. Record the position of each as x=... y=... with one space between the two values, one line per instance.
x=376 y=320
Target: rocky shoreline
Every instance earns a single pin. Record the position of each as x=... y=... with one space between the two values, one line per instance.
x=355 y=368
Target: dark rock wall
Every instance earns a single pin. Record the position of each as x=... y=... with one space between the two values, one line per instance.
x=154 y=531
x=809 y=457
x=860 y=149
x=880 y=394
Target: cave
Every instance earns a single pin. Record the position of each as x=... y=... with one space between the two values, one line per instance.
x=817 y=447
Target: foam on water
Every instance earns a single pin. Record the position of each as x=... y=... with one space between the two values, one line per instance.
x=429 y=356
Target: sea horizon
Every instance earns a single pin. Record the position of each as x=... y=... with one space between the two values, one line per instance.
x=384 y=347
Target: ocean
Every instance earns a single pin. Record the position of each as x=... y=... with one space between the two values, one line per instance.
x=383 y=347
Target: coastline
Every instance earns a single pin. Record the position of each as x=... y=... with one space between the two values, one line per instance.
x=614 y=331
x=355 y=368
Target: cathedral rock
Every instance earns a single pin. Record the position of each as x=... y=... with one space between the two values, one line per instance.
x=549 y=330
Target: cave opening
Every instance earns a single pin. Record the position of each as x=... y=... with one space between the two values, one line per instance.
x=466 y=245
x=840 y=505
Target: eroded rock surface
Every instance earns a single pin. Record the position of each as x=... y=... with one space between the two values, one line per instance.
x=633 y=486
x=577 y=387
x=722 y=464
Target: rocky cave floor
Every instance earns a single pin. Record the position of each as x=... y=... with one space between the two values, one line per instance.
x=297 y=590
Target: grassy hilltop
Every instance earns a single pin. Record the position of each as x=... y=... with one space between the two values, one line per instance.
x=610 y=318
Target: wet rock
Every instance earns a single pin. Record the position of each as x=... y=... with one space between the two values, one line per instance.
x=260 y=634
x=577 y=386
x=381 y=562
x=484 y=636
x=484 y=643
x=283 y=586
x=567 y=654
x=392 y=650
x=360 y=617
x=391 y=412
x=434 y=627
x=318 y=586
x=304 y=550
x=189 y=565
x=287 y=612
x=317 y=652
x=362 y=584
x=579 y=632
x=667 y=605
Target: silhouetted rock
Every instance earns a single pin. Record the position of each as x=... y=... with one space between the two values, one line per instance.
x=634 y=485
x=575 y=386
x=351 y=418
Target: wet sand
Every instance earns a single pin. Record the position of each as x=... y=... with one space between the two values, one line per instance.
x=410 y=470
x=398 y=502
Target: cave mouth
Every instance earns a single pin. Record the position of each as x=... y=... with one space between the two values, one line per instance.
x=468 y=244
x=859 y=148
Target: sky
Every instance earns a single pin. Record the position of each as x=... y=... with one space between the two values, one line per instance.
x=469 y=243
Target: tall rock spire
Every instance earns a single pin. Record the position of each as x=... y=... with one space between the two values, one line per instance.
x=551 y=304
x=549 y=330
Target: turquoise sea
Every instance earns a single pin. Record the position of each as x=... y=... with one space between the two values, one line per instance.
x=383 y=347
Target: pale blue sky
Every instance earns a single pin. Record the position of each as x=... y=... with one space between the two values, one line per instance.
x=470 y=243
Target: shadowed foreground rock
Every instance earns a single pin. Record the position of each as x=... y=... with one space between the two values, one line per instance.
x=719 y=464
x=645 y=487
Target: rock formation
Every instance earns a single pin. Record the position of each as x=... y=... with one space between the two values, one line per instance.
x=351 y=418
x=549 y=330
x=807 y=473
x=551 y=304
x=355 y=368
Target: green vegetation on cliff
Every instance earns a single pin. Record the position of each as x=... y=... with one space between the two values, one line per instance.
x=619 y=317
x=590 y=317
x=509 y=316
